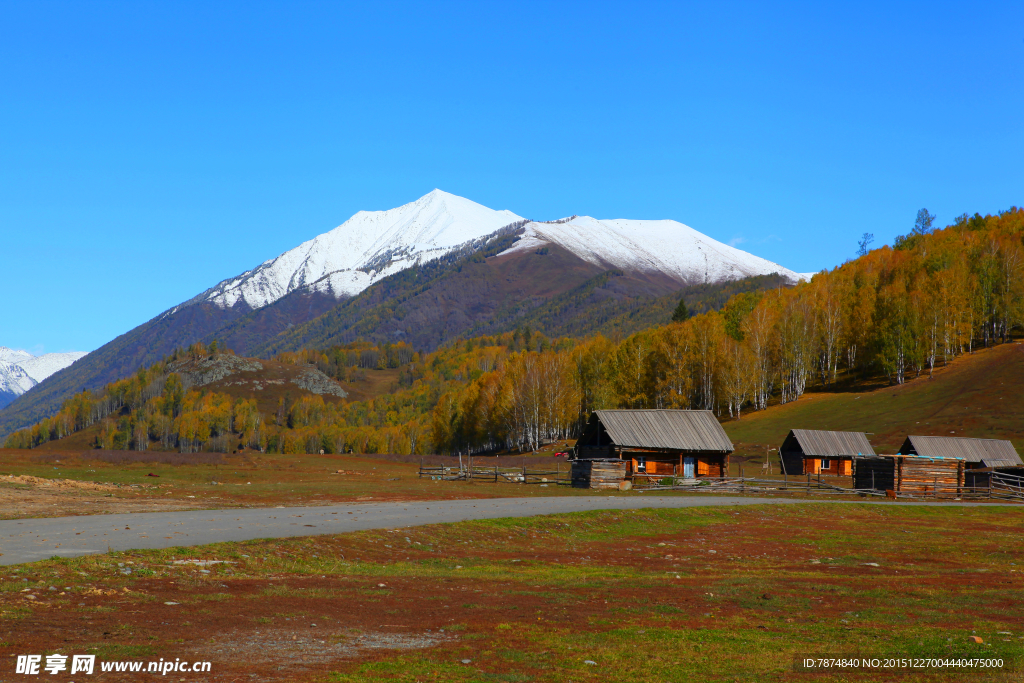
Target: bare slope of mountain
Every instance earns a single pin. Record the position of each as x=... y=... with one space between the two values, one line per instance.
x=118 y=358
x=251 y=333
x=549 y=289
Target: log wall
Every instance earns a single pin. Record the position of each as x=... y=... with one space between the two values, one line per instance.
x=655 y=467
x=598 y=474
x=712 y=465
x=909 y=474
x=669 y=464
x=923 y=475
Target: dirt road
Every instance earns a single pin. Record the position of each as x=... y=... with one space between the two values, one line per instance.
x=29 y=540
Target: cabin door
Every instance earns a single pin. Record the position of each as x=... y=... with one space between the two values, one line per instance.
x=689 y=463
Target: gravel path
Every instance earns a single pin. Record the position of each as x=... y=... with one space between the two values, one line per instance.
x=29 y=540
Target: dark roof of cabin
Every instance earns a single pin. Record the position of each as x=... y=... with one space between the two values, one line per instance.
x=822 y=444
x=989 y=452
x=684 y=430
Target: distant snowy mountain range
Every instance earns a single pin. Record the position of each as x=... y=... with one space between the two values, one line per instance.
x=374 y=244
x=20 y=370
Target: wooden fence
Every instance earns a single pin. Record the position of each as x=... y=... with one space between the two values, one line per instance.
x=1006 y=486
x=996 y=485
x=1001 y=487
x=741 y=485
x=495 y=474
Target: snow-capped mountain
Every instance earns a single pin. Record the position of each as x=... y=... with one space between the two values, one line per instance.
x=664 y=246
x=20 y=370
x=13 y=356
x=374 y=244
x=365 y=248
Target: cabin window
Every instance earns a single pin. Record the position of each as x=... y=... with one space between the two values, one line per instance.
x=826 y=464
x=641 y=463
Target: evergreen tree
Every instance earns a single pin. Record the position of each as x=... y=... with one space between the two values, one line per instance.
x=681 y=313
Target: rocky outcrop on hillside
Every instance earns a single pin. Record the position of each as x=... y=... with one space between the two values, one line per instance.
x=316 y=382
x=198 y=373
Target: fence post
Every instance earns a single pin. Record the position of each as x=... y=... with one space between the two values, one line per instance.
x=420 y=473
x=495 y=474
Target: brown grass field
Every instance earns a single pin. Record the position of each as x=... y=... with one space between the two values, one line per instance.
x=39 y=483
x=730 y=594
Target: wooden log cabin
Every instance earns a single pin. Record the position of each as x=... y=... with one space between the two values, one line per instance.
x=682 y=443
x=981 y=457
x=813 y=451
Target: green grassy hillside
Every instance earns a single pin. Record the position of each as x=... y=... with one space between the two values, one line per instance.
x=977 y=395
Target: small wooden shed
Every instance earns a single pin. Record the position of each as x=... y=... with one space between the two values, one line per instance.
x=911 y=474
x=683 y=443
x=598 y=474
x=814 y=451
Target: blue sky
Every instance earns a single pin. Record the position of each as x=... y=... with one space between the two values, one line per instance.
x=149 y=150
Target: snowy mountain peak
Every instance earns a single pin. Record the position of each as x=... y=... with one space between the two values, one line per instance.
x=374 y=244
x=365 y=248
x=663 y=246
